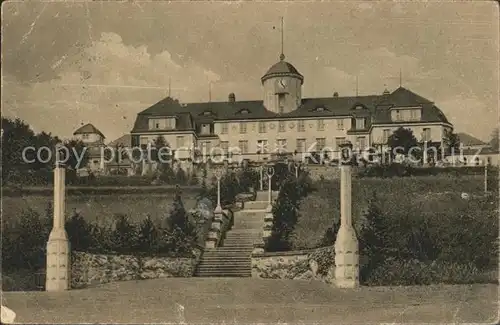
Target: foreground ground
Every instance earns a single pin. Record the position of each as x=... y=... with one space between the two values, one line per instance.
x=251 y=300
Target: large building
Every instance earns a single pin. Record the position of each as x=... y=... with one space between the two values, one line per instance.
x=284 y=121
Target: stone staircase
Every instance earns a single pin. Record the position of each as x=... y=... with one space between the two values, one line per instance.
x=233 y=258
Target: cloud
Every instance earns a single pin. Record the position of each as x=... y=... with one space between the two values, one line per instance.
x=107 y=81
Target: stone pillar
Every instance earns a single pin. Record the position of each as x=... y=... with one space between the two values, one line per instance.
x=270 y=173
x=218 y=175
x=58 y=249
x=261 y=169
x=346 y=244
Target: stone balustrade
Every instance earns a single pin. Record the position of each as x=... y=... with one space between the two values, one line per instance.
x=93 y=269
x=220 y=224
x=315 y=264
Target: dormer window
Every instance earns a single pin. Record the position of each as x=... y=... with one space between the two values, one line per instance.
x=320 y=109
x=207 y=113
x=360 y=123
x=244 y=111
x=205 y=128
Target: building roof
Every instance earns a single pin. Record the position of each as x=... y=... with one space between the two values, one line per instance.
x=282 y=68
x=125 y=141
x=377 y=107
x=468 y=140
x=88 y=128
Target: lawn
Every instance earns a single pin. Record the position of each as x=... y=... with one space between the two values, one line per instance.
x=100 y=208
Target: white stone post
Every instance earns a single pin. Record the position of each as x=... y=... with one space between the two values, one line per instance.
x=485 y=178
x=346 y=244
x=270 y=173
x=218 y=175
x=261 y=177
x=58 y=250
x=297 y=166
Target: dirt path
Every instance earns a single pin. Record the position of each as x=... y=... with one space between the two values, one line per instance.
x=252 y=300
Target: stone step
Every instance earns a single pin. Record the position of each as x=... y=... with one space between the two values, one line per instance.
x=233 y=253
x=222 y=250
x=224 y=268
x=236 y=244
x=224 y=258
x=224 y=265
x=225 y=275
x=255 y=205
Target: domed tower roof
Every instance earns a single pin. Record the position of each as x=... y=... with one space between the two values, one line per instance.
x=282 y=68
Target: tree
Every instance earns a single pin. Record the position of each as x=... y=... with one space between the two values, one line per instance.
x=373 y=241
x=494 y=142
x=16 y=136
x=401 y=141
x=124 y=236
x=285 y=216
x=148 y=236
x=451 y=141
x=178 y=217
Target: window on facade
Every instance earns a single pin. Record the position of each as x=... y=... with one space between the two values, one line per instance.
x=321 y=125
x=224 y=145
x=426 y=134
x=398 y=115
x=262 y=146
x=301 y=145
x=85 y=136
x=262 y=127
x=301 y=126
x=361 y=142
x=360 y=123
x=320 y=144
x=281 y=126
x=339 y=141
x=243 y=127
x=243 y=146
x=144 y=140
x=488 y=161
x=281 y=102
x=180 y=141
x=205 y=129
x=281 y=145
x=340 y=124
x=414 y=114
x=386 y=135
x=224 y=128
x=476 y=161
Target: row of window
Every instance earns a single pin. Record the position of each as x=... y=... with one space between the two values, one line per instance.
x=425 y=136
x=282 y=145
x=301 y=126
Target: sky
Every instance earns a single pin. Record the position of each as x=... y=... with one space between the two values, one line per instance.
x=65 y=64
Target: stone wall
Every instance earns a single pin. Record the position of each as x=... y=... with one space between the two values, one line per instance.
x=93 y=269
x=318 y=264
x=316 y=172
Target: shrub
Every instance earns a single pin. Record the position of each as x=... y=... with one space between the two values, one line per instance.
x=181 y=177
x=285 y=214
x=415 y=272
x=124 y=235
x=248 y=178
x=79 y=233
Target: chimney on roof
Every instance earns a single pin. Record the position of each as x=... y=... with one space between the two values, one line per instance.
x=232 y=98
x=336 y=94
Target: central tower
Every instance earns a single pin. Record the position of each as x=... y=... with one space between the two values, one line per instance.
x=282 y=85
